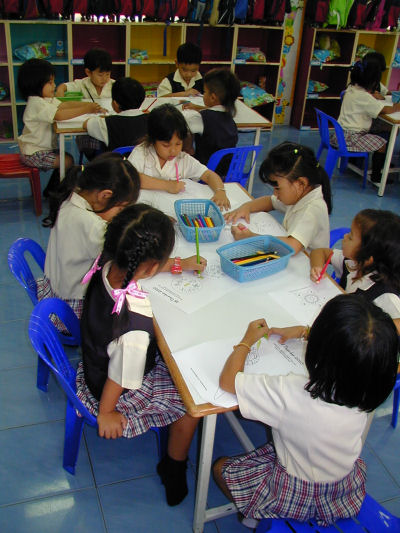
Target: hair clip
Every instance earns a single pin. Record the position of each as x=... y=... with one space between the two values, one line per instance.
x=119 y=295
x=88 y=276
x=82 y=168
x=295 y=150
x=317 y=164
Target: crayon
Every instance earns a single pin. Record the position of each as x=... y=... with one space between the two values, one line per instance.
x=197 y=248
x=325 y=267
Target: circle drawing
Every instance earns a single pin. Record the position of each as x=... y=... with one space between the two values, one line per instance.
x=186 y=285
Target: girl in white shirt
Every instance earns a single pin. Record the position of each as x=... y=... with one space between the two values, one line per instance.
x=301 y=190
x=313 y=469
x=369 y=262
x=38 y=142
x=161 y=163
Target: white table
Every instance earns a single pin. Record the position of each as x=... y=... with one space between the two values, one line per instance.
x=394 y=121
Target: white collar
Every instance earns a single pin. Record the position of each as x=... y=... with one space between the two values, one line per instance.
x=314 y=194
x=130 y=113
x=179 y=79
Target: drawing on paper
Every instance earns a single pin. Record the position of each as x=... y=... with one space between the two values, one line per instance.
x=186 y=285
x=308 y=296
x=253 y=356
x=218 y=393
x=213 y=270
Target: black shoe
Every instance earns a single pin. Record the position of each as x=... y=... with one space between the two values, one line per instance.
x=377 y=179
x=173 y=477
x=47 y=222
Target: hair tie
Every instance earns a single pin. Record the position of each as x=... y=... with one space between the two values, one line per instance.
x=317 y=164
x=295 y=150
x=88 y=276
x=82 y=168
x=119 y=295
x=360 y=65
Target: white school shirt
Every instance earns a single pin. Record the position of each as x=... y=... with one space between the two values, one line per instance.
x=75 y=242
x=38 y=133
x=307 y=220
x=144 y=158
x=194 y=119
x=314 y=440
x=165 y=86
x=86 y=87
x=97 y=126
x=388 y=302
x=382 y=89
x=128 y=353
x=358 y=109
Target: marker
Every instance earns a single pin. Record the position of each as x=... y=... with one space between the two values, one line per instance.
x=325 y=267
x=176 y=171
x=197 y=247
x=266 y=335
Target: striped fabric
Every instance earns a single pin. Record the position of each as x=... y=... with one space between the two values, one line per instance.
x=44 y=290
x=360 y=141
x=43 y=160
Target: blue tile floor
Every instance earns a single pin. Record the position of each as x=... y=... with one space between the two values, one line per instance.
x=116 y=488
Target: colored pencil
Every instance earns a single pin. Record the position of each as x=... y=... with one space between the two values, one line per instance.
x=147 y=108
x=197 y=247
x=176 y=172
x=325 y=267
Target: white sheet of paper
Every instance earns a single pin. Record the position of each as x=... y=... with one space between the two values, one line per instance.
x=202 y=364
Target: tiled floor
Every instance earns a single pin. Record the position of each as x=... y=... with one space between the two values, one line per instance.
x=115 y=488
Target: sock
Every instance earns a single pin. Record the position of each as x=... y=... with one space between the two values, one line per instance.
x=173 y=477
x=54 y=182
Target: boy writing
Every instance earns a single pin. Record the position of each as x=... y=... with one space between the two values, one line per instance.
x=186 y=80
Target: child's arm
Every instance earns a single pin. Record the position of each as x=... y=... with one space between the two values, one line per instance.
x=194 y=107
x=217 y=185
x=390 y=109
x=157 y=184
x=293 y=332
x=61 y=89
x=189 y=263
x=68 y=110
x=111 y=423
x=188 y=92
x=318 y=258
x=263 y=203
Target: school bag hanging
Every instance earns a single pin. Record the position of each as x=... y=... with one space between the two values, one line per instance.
x=53 y=9
x=226 y=12
x=359 y=13
x=199 y=11
x=169 y=9
x=255 y=11
x=19 y=9
x=241 y=9
x=275 y=10
x=392 y=13
x=147 y=9
x=316 y=12
x=376 y=20
x=82 y=7
x=339 y=12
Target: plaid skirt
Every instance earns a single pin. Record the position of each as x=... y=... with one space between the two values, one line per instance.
x=86 y=142
x=360 y=141
x=261 y=488
x=44 y=290
x=43 y=160
x=156 y=404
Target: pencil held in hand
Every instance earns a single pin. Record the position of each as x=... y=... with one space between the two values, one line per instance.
x=325 y=267
x=196 y=229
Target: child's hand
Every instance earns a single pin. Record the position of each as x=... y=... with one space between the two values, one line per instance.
x=191 y=92
x=294 y=332
x=189 y=105
x=255 y=330
x=241 y=212
x=174 y=186
x=241 y=232
x=96 y=108
x=378 y=96
x=221 y=199
x=315 y=272
x=111 y=425
x=190 y=263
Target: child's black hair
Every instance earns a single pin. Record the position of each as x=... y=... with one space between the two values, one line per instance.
x=292 y=161
x=366 y=74
x=33 y=76
x=375 y=58
x=128 y=93
x=163 y=122
x=189 y=54
x=225 y=85
x=107 y=171
x=380 y=240
x=97 y=58
x=351 y=355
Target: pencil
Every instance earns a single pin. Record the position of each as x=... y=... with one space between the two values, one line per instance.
x=176 y=170
x=147 y=108
x=325 y=267
x=197 y=247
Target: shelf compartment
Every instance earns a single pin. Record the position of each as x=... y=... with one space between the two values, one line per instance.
x=346 y=43
x=268 y=40
x=150 y=37
x=329 y=106
x=112 y=37
x=270 y=72
x=3 y=47
x=215 y=41
x=6 y=127
x=150 y=73
x=22 y=34
x=336 y=79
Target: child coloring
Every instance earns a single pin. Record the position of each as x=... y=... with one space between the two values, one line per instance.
x=313 y=468
x=122 y=378
x=38 y=142
x=369 y=262
x=186 y=80
x=301 y=190
x=161 y=163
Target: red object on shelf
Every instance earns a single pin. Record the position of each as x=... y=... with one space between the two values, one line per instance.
x=11 y=167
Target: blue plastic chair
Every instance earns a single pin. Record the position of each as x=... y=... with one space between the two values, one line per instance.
x=45 y=340
x=324 y=122
x=123 y=149
x=336 y=235
x=19 y=265
x=372 y=518
x=396 y=401
x=236 y=171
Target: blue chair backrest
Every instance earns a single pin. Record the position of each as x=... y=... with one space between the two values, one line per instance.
x=239 y=157
x=123 y=149
x=19 y=265
x=324 y=122
x=45 y=340
x=336 y=235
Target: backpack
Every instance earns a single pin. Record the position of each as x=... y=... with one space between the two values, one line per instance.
x=226 y=12
x=199 y=11
x=241 y=9
x=255 y=12
x=392 y=13
x=80 y=6
x=20 y=9
x=169 y=9
x=52 y=8
x=316 y=12
x=147 y=8
x=376 y=19
x=338 y=13
x=275 y=10
x=359 y=13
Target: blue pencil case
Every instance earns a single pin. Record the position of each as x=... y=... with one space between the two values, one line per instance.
x=205 y=208
x=249 y=247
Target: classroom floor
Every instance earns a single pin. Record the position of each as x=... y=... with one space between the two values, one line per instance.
x=116 y=488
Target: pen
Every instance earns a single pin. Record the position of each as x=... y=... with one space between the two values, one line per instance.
x=325 y=267
x=196 y=229
x=147 y=108
x=176 y=170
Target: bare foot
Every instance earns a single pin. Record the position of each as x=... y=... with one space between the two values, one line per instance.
x=241 y=232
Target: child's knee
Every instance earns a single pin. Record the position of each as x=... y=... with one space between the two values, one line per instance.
x=217 y=467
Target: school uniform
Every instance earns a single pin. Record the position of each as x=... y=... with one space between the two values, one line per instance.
x=86 y=87
x=124 y=129
x=313 y=470
x=74 y=243
x=307 y=220
x=383 y=295
x=131 y=360
x=144 y=158
x=174 y=83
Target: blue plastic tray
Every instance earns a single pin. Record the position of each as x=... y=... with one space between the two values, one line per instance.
x=250 y=246
x=192 y=208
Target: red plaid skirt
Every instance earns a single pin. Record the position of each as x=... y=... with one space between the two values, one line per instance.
x=43 y=160
x=360 y=141
x=261 y=488
x=44 y=290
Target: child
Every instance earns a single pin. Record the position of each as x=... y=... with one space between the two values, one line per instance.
x=313 y=468
x=122 y=379
x=162 y=164
x=38 y=142
x=186 y=80
x=369 y=262
x=129 y=126
x=358 y=109
x=376 y=57
x=213 y=125
x=301 y=190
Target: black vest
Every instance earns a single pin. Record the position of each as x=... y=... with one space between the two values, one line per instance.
x=97 y=333
x=177 y=87
x=126 y=131
x=219 y=132
x=373 y=292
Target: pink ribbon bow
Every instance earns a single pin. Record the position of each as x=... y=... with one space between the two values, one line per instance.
x=119 y=295
x=88 y=276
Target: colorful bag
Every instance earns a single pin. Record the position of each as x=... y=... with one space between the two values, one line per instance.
x=339 y=12
x=256 y=11
x=316 y=11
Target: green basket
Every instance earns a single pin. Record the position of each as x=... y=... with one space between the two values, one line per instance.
x=71 y=96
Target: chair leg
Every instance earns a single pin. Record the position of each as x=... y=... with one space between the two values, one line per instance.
x=36 y=191
x=343 y=164
x=396 y=403
x=330 y=163
x=43 y=372
x=72 y=439
x=321 y=147
x=162 y=440
x=366 y=161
